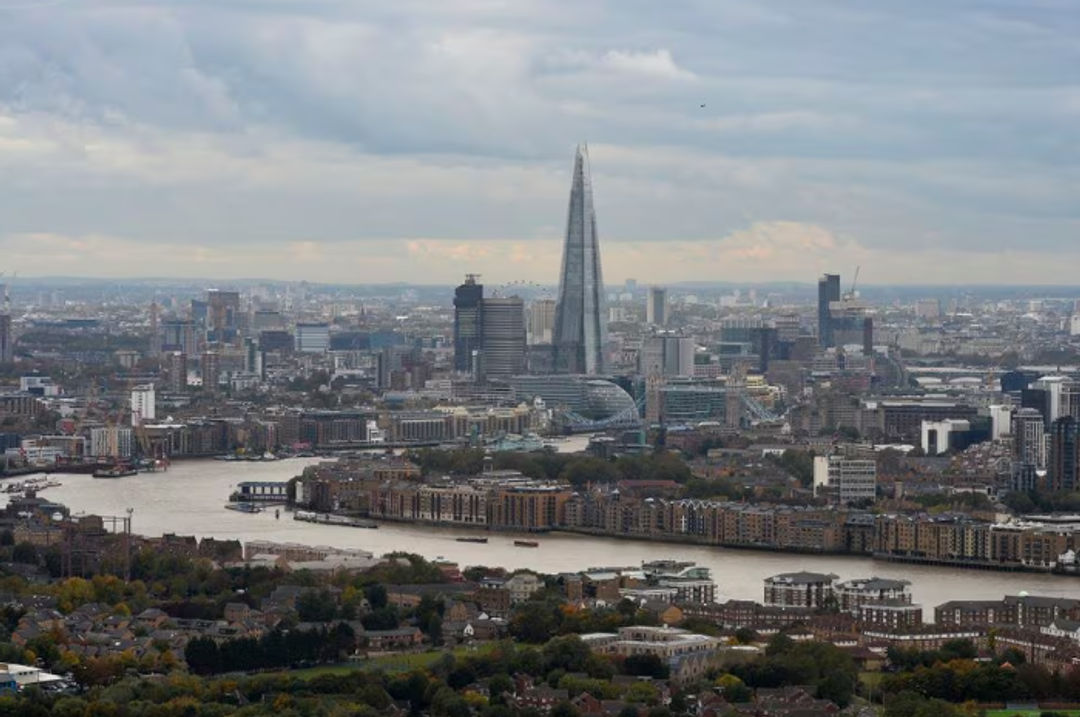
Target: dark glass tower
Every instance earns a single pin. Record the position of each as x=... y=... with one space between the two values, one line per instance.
x=468 y=322
x=580 y=332
x=828 y=290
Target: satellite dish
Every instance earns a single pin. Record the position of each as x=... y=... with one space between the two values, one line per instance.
x=1023 y=593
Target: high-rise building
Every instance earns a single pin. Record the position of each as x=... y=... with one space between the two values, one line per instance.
x=1064 y=470
x=175 y=365
x=155 y=330
x=179 y=335
x=541 y=321
x=468 y=323
x=1029 y=442
x=211 y=370
x=312 y=337
x=223 y=316
x=7 y=341
x=667 y=355
x=502 y=344
x=828 y=291
x=143 y=404
x=580 y=334
x=656 y=309
x=254 y=359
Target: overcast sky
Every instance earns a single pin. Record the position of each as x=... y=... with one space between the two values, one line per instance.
x=930 y=141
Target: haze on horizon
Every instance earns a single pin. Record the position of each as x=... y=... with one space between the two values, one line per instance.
x=417 y=140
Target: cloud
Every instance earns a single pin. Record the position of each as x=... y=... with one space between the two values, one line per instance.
x=657 y=64
x=306 y=128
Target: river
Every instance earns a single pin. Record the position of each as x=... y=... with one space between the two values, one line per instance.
x=189 y=499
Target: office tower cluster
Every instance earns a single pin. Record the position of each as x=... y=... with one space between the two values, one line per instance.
x=842 y=318
x=489 y=332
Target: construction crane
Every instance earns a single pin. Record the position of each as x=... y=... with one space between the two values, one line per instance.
x=854 y=281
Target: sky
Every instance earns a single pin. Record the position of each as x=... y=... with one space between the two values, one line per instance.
x=417 y=140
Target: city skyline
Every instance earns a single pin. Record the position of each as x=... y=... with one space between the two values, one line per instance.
x=735 y=142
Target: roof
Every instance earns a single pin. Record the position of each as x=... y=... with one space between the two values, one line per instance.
x=802 y=578
x=874 y=583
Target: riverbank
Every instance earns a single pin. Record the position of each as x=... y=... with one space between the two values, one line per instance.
x=188 y=500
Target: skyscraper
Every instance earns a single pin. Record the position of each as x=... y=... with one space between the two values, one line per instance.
x=656 y=306
x=541 y=321
x=503 y=340
x=1064 y=455
x=580 y=331
x=828 y=291
x=468 y=322
x=7 y=342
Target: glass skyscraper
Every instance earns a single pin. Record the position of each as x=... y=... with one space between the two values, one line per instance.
x=580 y=333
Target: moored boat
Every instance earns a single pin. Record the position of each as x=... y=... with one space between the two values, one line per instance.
x=526 y=544
x=471 y=540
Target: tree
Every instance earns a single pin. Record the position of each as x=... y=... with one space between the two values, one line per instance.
x=535 y=621
x=376 y=596
x=202 y=656
x=316 y=606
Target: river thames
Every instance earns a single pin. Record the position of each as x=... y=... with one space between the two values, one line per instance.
x=189 y=499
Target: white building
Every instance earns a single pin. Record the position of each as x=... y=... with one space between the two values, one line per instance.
x=937 y=435
x=112 y=442
x=1055 y=386
x=1000 y=421
x=143 y=404
x=312 y=337
x=845 y=480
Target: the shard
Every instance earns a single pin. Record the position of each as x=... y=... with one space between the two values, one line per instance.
x=580 y=333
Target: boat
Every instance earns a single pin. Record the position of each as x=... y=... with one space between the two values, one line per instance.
x=241 y=507
x=526 y=544
x=471 y=540
x=115 y=472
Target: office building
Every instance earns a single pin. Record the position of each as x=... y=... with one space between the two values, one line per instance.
x=1058 y=392
x=1062 y=476
x=667 y=355
x=580 y=334
x=502 y=342
x=828 y=292
x=845 y=480
x=179 y=335
x=7 y=341
x=313 y=337
x=143 y=404
x=155 y=330
x=541 y=321
x=656 y=308
x=254 y=359
x=222 y=317
x=468 y=323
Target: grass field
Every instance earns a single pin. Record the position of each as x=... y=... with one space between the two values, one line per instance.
x=403 y=662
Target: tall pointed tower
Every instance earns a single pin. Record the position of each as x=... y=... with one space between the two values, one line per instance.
x=580 y=333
